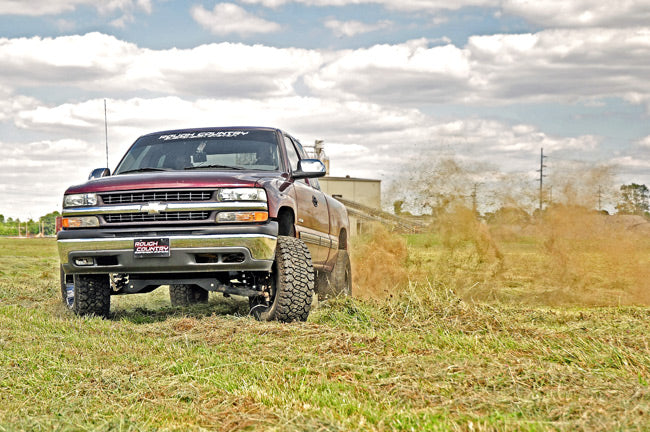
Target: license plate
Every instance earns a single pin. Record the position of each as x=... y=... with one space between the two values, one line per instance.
x=151 y=248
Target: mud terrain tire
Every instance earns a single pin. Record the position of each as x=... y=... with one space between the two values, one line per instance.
x=292 y=284
x=92 y=295
x=339 y=281
x=187 y=295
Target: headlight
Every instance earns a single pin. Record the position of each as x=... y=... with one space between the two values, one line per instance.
x=242 y=194
x=79 y=200
x=80 y=222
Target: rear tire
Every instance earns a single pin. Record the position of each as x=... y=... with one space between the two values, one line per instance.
x=291 y=286
x=187 y=295
x=92 y=295
x=339 y=281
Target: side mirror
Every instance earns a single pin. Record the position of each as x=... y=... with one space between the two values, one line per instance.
x=310 y=168
x=99 y=173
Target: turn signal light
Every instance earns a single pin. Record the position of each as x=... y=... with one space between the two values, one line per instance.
x=80 y=222
x=248 y=216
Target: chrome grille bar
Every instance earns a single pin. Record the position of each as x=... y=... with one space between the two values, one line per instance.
x=161 y=217
x=163 y=196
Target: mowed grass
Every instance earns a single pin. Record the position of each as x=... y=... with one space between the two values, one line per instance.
x=424 y=359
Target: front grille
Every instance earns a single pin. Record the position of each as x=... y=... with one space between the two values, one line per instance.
x=162 y=196
x=161 y=217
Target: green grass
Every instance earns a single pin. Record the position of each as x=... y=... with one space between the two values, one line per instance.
x=424 y=361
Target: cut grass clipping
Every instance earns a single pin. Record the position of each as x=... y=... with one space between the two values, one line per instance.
x=462 y=339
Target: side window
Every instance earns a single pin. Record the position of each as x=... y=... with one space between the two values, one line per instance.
x=301 y=151
x=303 y=155
x=291 y=153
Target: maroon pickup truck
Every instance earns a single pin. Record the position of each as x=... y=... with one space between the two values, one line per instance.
x=236 y=210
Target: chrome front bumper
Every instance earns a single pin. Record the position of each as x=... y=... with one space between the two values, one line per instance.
x=253 y=252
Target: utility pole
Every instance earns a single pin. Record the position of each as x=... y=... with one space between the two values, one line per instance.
x=600 y=197
x=541 y=179
x=474 y=203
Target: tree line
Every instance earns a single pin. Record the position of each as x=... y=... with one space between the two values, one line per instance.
x=632 y=199
x=14 y=227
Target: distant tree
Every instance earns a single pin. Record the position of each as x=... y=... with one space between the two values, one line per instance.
x=2 y=218
x=635 y=199
x=49 y=222
x=397 y=207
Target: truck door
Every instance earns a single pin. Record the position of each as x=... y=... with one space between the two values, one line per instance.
x=312 y=218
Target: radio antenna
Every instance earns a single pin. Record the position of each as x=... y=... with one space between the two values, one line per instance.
x=106 y=132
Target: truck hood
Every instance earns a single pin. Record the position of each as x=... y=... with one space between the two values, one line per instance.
x=173 y=179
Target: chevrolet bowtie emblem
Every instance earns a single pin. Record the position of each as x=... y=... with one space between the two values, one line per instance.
x=153 y=208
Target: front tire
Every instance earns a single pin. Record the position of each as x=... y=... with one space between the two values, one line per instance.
x=291 y=284
x=92 y=295
x=187 y=295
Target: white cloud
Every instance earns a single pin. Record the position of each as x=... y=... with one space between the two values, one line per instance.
x=353 y=28
x=633 y=169
x=549 y=13
x=644 y=142
x=132 y=117
x=34 y=175
x=228 y=18
x=10 y=104
x=100 y=62
x=401 y=73
x=55 y=7
x=552 y=65
x=549 y=66
x=407 y=5
x=64 y=25
x=580 y=13
x=563 y=65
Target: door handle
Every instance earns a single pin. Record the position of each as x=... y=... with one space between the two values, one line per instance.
x=314 y=201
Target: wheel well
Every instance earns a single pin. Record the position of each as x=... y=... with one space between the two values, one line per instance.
x=286 y=221
x=343 y=239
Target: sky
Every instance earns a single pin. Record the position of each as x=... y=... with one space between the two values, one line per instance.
x=385 y=83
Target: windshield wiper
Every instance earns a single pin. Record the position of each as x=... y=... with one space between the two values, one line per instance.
x=215 y=166
x=144 y=169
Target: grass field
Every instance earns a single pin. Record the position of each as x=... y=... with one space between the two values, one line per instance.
x=426 y=357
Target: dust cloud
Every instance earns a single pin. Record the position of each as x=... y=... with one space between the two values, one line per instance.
x=486 y=240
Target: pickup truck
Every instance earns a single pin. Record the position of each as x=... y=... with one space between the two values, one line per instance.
x=235 y=210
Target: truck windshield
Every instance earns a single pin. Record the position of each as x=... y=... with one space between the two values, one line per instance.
x=218 y=150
